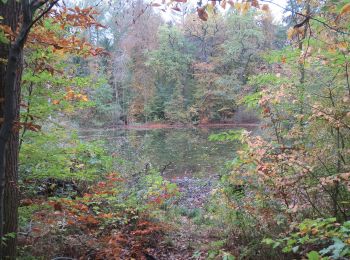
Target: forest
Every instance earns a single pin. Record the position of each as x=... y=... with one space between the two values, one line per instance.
x=175 y=129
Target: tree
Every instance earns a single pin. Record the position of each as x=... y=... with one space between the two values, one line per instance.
x=140 y=39
x=10 y=91
x=171 y=63
x=241 y=49
x=8 y=184
x=19 y=20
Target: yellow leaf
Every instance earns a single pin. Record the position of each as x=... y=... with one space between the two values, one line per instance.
x=84 y=98
x=245 y=7
x=332 y=49
x=284 y=59
x=238 y=6
x=343 y=46
x=291 y=33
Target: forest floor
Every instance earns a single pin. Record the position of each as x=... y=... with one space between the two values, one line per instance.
x=194 y=192
x=186 y=238
x=189 y=239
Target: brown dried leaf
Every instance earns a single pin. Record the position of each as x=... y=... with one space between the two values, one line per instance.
x=202 y=14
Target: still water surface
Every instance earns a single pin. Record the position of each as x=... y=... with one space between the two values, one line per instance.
x=179 y=153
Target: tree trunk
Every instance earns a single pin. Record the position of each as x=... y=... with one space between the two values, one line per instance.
x=10 y=12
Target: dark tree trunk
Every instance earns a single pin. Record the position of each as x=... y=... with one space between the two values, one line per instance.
x=10 y=12
x=11 y=71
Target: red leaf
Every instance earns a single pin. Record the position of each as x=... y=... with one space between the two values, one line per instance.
x=36 y=230
x=26 y=202
x=202 y=14
x=57 y=206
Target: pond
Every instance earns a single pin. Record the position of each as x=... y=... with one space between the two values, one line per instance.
x=177 y=152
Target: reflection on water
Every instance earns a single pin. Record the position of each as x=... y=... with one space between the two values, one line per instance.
x=179 y=152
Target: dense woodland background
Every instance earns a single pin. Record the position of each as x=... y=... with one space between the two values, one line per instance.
x=69 y=67
x=181 y=70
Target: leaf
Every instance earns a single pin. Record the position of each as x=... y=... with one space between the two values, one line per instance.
x=265 y=8
x=313 y=255
x=245 y=7
x=26 y=202
x=91 y=220
x=10 y=235
x=295 y=249
x=57 y=206
x=255 y=3
x=336 y=248
x=276 y=244
x=268 y=241
x=36 y=230
x=202 y=14
x=345 y=9
x=3 y=38
x=228 y=256
x=156 y=4
x=223 y=4
x=284 y=59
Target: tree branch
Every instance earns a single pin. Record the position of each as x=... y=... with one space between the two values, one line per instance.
x=323 y=23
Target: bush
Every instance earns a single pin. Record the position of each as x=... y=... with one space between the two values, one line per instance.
x=316 y=238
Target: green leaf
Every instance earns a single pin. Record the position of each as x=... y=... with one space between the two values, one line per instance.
x=3 y=38
x=252 y=100
x=232 y=135
x=11 y=235
x=228 y=256
x=313 y=255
